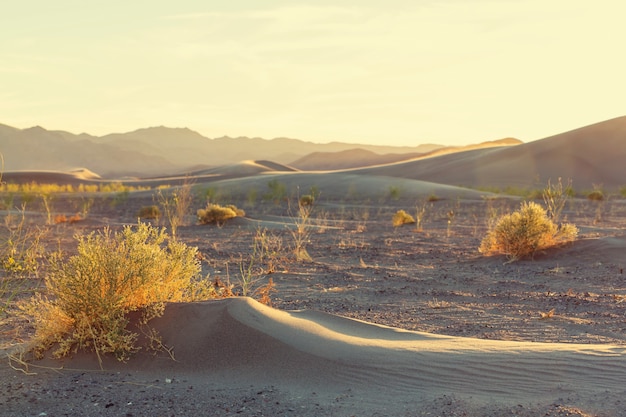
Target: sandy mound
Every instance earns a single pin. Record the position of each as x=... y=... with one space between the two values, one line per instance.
x=78 y=176
x=315 y=350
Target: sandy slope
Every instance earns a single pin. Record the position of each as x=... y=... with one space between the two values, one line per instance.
x=591 y=155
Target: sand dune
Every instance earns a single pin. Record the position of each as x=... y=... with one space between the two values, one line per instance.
x=592 y=155
x=318 y=351
x=77 y=176
x=243 y=169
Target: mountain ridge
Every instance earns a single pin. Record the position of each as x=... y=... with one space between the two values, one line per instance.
x=153 y=150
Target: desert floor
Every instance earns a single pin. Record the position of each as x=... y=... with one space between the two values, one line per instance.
x=431 y=279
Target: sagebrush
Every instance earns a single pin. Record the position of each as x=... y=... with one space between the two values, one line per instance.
x=88 y=296
x=214 y=213
x=524 y=232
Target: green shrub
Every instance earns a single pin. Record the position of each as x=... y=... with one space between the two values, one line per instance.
x=402 y=217
x=149 y=212
x=524 y=232
x=277 y=191
x=90 y=294
x=214 y=213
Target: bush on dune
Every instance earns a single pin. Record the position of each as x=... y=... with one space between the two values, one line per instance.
x=522 y=233
x=89 y=295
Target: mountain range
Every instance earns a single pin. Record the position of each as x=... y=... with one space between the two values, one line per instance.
x=591 y=156
x=158 y=150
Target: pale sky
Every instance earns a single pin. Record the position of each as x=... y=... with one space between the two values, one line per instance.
x=395 y=72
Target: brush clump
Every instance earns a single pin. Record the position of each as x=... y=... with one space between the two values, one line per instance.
x=524 y=232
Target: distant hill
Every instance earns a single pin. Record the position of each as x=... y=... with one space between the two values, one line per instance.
x=40 y=149
x=591 y=155
x=354 y=158
x=155 y=151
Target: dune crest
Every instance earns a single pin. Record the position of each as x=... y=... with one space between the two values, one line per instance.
x=239 y=335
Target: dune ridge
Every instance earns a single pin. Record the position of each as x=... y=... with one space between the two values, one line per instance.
x=314 y=350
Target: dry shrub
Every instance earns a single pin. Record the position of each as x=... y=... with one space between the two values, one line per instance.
x=595 y=195
x=90 y=294
x=402 y=217
x=60 y=218
x=75 y=219
x=214 y=213
x=524 y=232
x=149 y=212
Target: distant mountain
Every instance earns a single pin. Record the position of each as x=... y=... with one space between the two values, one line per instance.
x=590 y=156
x=155 y=151
x=355 y=158
x=40 y=149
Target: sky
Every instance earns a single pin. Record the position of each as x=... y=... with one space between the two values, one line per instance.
x=395 y=72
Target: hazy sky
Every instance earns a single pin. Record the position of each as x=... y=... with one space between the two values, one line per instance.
x=369 y=71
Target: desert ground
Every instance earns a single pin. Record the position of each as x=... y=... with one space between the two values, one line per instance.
x=380 y=321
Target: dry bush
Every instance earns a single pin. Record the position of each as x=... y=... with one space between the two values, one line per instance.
x=176 y=205
x=401 y=218
x=524 y=232
x=595 y=195
x=149 y=212
x=214 y=213
x=60 y=218
x=89 y=295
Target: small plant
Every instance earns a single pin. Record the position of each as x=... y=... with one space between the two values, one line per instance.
x=214 y=213
x=301 y=233
x=306 y=200
x=522 y=233
x=46 y=199
x=401 y=218
x=555 y=197
x=90 y=294
x=270 y=249
x=149 y=212
x=20 y=246
x=394 y=192
x=450 y=214
x=176 y=205
x=420 y=215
